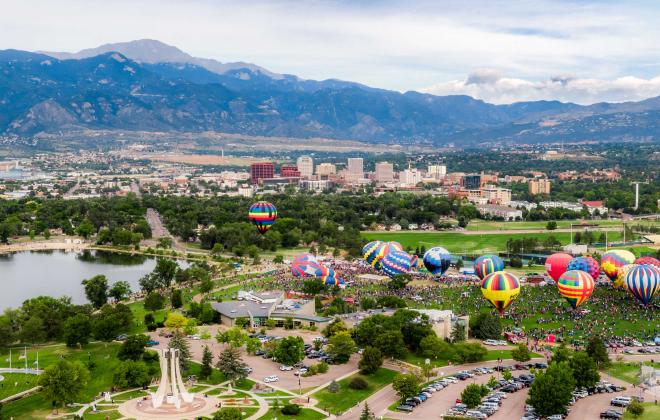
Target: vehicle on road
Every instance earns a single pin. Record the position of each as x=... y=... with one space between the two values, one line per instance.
x=271 y=378
x=285 y=368
x=610 y=414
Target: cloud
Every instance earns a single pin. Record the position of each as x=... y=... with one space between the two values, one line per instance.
x=490 y=86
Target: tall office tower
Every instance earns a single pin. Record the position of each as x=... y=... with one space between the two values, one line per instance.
x=384 y=172
x=325 y=169
x=355 y=169
x=471 y=182
x=437 y=171
x=305 y=165
x=261 y=170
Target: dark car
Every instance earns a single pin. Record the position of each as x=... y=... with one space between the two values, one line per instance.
x=540 y=365
x=510 y=388
x=610 y=414
x=462 y=376
x=405 y=407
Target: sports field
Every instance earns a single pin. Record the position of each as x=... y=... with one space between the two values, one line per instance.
x=476 y=224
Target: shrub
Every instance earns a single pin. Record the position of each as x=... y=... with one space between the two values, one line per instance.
x=322 y=367
x=358 y=383
x=291 y=409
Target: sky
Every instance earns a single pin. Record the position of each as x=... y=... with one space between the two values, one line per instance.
x=581 y=51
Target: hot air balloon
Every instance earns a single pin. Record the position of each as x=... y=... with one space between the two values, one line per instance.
x=611 y=261
x=437 y=260
x=648 y=261
x=586 y=264
x=306 y=265
x=643 y=282
x=373 y=253
x=555 y=264
x=576 y=286
x=262 y=214
x=500 y=288
x=396 y=262
x=414 y=261
x=330 y=278
x=620 y=280
x=487 y=264
x=395 y=245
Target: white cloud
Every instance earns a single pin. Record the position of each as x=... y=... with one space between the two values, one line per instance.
x=491 y=86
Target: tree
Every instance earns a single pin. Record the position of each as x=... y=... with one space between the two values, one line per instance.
x=471 y=395
x=521 y=353
x=207 y=360
x=96 y=290
x=434 y=348
x=154 y=301
x=507 y=375
x=486 y=326
x=585 y=370
x=635 y=408
x=391 y=344
x=335 y=326
x=290 y=350
x=551 y=225
x=552 y=390
x=406 y=385
x=468 y=352
x=234 y=336
x=231 y=365
x=597 y=351
x=341 y=347
x=371 y=360
x=77 y=330
x=133 y=347
x=206 y=285
x=7 y=335
x=252 y=345
x=176 y=299
x=458 y=332
x=85 y=229
x=33 y=331
x=399 y=281
x=228 y=413
x=131 y=373
x=313 y=286
x=63 y=381
x=164 y=271
x=120 y=290
x=178 y=341
x=366 y=413
x=175 y=321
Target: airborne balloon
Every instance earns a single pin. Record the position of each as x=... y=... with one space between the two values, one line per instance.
x=262 y=214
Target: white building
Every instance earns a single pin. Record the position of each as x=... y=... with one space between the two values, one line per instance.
x=410 y=177
x=436 y=171
x=325 y=169
x=305 y=166
x=384 y=172
x=508 y=213
x=355 y=169
x=246 y=190
x=315 y=185
x=496 y=195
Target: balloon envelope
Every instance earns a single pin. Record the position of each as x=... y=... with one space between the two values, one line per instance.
x=306 y=265
x=373 y=253
x=396 y=262
x=262 y=214
x=642 y=282
x=437 y=260
x=648 y=261
x=500 y=288
x=555 y=264
x=586 y=264
x=487 y=264
x=621 y=273
x=611 y=261
x=576 y=286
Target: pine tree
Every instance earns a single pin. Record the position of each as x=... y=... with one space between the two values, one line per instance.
x=179 y=342
x=366 y=413
x=230 y=363
x=207 y=359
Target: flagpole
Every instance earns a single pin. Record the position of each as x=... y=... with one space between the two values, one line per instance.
x=25 y=353
x=9 y=359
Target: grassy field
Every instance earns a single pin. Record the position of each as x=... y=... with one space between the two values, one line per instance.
x=346 y=398
x=628 y=372
x=651 y=412
x=476 y=225
x=492 y=355
x=15 y=383
x=460 y=243
x=305 y=414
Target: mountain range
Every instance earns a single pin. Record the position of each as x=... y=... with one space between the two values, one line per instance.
x=150 y=86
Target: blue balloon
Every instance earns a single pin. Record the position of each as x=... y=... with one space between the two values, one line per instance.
x=396 y=262
x=437 y=260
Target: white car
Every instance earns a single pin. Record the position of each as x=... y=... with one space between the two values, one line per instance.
x=490 y=342
x=271 y=378
x=451 y=379
x=285 y=368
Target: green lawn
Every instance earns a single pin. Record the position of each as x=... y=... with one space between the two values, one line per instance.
x=305 y=414
x=491 y=355
x=102 y=414
x=475 y=225
x=628 y=371
x=138 y=317
x=15 y=383
x=457 y=242
x=346 y=398
x=651 y=412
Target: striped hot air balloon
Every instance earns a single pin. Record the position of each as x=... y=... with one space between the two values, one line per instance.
x=643 y=282
x=306 y=265
x=396 y=262
x=373 y=253
x=648 y=261
x=586 y=264
x=500 y=288
x=576 y=286
x=487 y=264
x=330 y=278
x=437 y=260
x=621 y=276
x=611 y=261
x=262 y=214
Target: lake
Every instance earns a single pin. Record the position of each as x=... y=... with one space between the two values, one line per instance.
x=24 y=275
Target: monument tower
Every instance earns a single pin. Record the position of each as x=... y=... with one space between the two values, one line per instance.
x=171 y=390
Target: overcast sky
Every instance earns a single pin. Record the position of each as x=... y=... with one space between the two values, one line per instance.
x=500 y=51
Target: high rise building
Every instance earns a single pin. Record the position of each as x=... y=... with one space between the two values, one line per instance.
x=496 y=195
x=305 y=165
x=325 y=169
x=261 y=170
x=410 y=177
x=355 y=170
x=384 y=172
x=437 y=171
x=289 y=171
x=539 y=186
x=471 y=182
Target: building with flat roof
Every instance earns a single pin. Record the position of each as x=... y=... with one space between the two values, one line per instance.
x=325 y=169
x=505 y=212
x=471 y=182
x=384 y=173
x=261 y=170
x=355 y=169
x=496 y=195
x=289 y=171
x=305 y=165
x=436 y=171
x=539 y=186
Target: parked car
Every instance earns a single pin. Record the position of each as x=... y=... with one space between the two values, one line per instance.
x=621 y=401
x=152 y=343
x=405 y=407
x=271 y=378
x=285 y=368
x=610 y=414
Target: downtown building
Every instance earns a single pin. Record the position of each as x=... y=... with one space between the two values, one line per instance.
x=305 y=165
x=261 y=170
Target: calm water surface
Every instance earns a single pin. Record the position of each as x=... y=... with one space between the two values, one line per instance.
x=25 y=275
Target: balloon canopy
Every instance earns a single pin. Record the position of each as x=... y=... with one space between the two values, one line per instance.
x=373 y=253
x=586 y=264
x=306 y=265
x=500 y=288
x=611 y=261
x=262 y=214
x=487 y=264
x=576 y=286
x=648 y=261
x=555 y=264
x=643 y=282
x=437 y=260
x=396 y=262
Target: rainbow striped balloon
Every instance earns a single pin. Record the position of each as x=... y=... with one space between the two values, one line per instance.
x=611 y=261
x=576 y=286
x=373 y=253
x=643 y=282
x=262 y=214
x=500 y=288
x=487 y=264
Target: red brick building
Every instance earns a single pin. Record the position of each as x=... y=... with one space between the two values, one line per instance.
x=261 y=170
x=289 y=171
